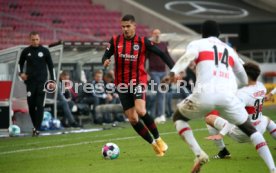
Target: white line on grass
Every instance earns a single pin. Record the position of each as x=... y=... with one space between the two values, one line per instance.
x=65 y=139
x=83 y=143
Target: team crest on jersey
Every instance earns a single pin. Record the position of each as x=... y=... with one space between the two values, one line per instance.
x=40 y=54
x=136 y=47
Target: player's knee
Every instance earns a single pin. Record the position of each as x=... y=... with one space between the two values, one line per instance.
x=210 y=119
x=132 y=116
x=247 y=128
x=133 y=120
x=141 y=111
x=271 y=127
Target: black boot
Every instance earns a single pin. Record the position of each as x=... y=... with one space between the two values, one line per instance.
x=223 y=154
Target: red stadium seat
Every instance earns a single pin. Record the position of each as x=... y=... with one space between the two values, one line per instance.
x=83 y=17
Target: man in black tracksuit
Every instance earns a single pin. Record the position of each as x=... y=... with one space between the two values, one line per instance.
x=35 y=75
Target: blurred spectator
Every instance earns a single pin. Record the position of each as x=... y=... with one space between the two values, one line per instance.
x=190 y=76
x=65 y=104
x=157 y=71
x=150 y=97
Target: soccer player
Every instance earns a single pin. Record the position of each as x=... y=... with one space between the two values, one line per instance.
x=129 y=52
x=216 y=72
x=252 y=96
x=37 y=59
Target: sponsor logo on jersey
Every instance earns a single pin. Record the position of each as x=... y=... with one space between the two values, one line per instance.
x=129 y=57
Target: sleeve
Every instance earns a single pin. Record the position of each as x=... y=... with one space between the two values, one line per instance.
x=21 y=62
x=167 y=52
x=273 y=92
x=225 y=130
x=151 y=47
x=109 y=51
x=50 y=65
x=190 y=55
x=240 y=72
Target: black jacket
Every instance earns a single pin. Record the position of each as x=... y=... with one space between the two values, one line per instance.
x=37 y=59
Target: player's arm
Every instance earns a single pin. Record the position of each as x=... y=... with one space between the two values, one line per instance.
x=50 y=65
x=184 y=61
x=166 y=59
x=271 y=127
x=240 y=73
x=224 y=131
x=269 y=95
x=21 y=63
x=211 y=119
x=108 y=53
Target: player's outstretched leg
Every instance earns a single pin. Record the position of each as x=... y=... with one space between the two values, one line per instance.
x=260 y=144
x=140 y=128
x=271 y=128
x=186 y=133
x=223 y=152
x=214 y=125
x=149 y=122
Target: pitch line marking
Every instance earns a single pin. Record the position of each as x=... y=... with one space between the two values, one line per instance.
x=84 y=143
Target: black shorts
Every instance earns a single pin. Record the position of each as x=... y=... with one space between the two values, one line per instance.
x=128 y=98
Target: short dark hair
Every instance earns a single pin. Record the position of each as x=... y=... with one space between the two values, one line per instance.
x=210 y=28
x=128 y=17
x=33 y=33
x=252 y=70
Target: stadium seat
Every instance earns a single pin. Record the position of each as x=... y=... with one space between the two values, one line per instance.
x=81 y=17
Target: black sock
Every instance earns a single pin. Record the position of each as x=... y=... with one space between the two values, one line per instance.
x=151 y=125
x=142 y=131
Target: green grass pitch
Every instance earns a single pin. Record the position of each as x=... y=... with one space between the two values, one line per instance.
x=81 y=153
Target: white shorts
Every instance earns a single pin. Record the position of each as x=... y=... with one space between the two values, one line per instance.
x=239 y=136
x=197 y=105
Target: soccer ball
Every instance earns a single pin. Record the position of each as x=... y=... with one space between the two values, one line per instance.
x=110 y=151
x=14 y=130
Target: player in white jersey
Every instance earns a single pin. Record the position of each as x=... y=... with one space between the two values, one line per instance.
x=252 y=97
x=216 y=72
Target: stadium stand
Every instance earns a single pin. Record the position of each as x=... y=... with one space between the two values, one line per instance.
x=57 y=20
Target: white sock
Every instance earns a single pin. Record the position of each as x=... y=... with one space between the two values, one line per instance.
x=185 y=131
x=263 y=150
x=271 y=128
x=212 y=131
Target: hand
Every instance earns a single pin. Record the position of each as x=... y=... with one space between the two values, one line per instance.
x=174 y=77
x=109 y=97
x=215 y=137
x=268 y=97
x=23 y=76
x=107 y=63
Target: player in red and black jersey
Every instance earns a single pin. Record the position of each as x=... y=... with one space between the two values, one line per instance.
x=129 y=52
